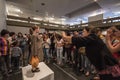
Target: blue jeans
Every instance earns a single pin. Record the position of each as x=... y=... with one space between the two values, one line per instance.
x=59 y=54
x=85 y=63
x=46 y=54
x=4 y=66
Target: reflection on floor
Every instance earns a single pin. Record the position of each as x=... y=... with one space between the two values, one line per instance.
x=61 y=73
x=75 y=76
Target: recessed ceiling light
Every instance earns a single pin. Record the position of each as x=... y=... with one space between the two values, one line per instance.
x=15 y=15
x=95 y=0
x=63 y=19
x=37 y=10
x=35 y=18
x=42 y=4
x=116 y=13
x=13 y=9
x=51 y=18
x=95 y=13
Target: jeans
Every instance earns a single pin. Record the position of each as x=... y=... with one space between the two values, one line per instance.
x=52 y=50
x=77 y=60
x=4 y=66
x=85 y=63
x=59 y=54
x=46 y=54
x=68 y=51
x=24 y=54
x=16 y=61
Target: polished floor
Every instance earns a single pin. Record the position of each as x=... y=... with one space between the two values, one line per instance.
x=61 y=73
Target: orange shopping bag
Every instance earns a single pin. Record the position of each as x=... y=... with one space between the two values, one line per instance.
x=34 y=61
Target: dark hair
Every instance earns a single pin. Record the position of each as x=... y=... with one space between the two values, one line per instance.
x=68 y=33
x=21 y=34
x=59 y=37
x=33 y=29
x=12 y=33
x=92 y=29
x=4 y=32
x=87 y=29
x=15 y=43
x=98 y=29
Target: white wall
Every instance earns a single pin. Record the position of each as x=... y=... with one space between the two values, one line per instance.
x=95 y=18
x=17 y=29
x=2 y=14
x=42 y=30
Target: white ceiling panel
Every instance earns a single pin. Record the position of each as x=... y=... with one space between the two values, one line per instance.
x=72 y=9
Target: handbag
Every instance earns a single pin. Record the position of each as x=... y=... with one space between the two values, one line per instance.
x=34 y=61
x=82 y=50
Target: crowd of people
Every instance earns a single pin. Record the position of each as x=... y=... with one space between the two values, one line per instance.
x=86 y=52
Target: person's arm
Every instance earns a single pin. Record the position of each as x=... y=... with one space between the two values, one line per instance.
x=67 y=38
x=20 y=51
x=113 y=48
x=79 y=41
x=55 y=38
x=52 y=36
x=110 y=46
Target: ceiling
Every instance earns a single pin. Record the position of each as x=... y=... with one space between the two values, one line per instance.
x=72 y=10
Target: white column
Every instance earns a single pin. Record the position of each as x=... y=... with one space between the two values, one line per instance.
x=2 y=14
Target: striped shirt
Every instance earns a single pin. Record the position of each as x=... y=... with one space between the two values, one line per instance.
x=3 y=46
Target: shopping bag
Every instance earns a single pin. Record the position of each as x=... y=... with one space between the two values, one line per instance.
x=34 y=61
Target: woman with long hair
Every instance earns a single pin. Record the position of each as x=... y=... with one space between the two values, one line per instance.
x=46 y=48
x=59 y=48
x=36 y=55
x=113 y=41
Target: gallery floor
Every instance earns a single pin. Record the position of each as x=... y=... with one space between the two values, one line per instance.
x=60 y=73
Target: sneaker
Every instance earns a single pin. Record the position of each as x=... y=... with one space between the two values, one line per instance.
x=94 y=72
x=96 y=77
x=36 y=70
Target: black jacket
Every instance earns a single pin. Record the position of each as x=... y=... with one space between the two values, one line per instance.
x=96 y=51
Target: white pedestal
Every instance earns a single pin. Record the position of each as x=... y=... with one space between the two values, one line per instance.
x=45 y=73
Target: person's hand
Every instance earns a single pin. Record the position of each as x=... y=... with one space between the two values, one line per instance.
x=108 y=35
x=74 y=47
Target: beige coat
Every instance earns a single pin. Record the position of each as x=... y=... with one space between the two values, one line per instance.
x=36 y=47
